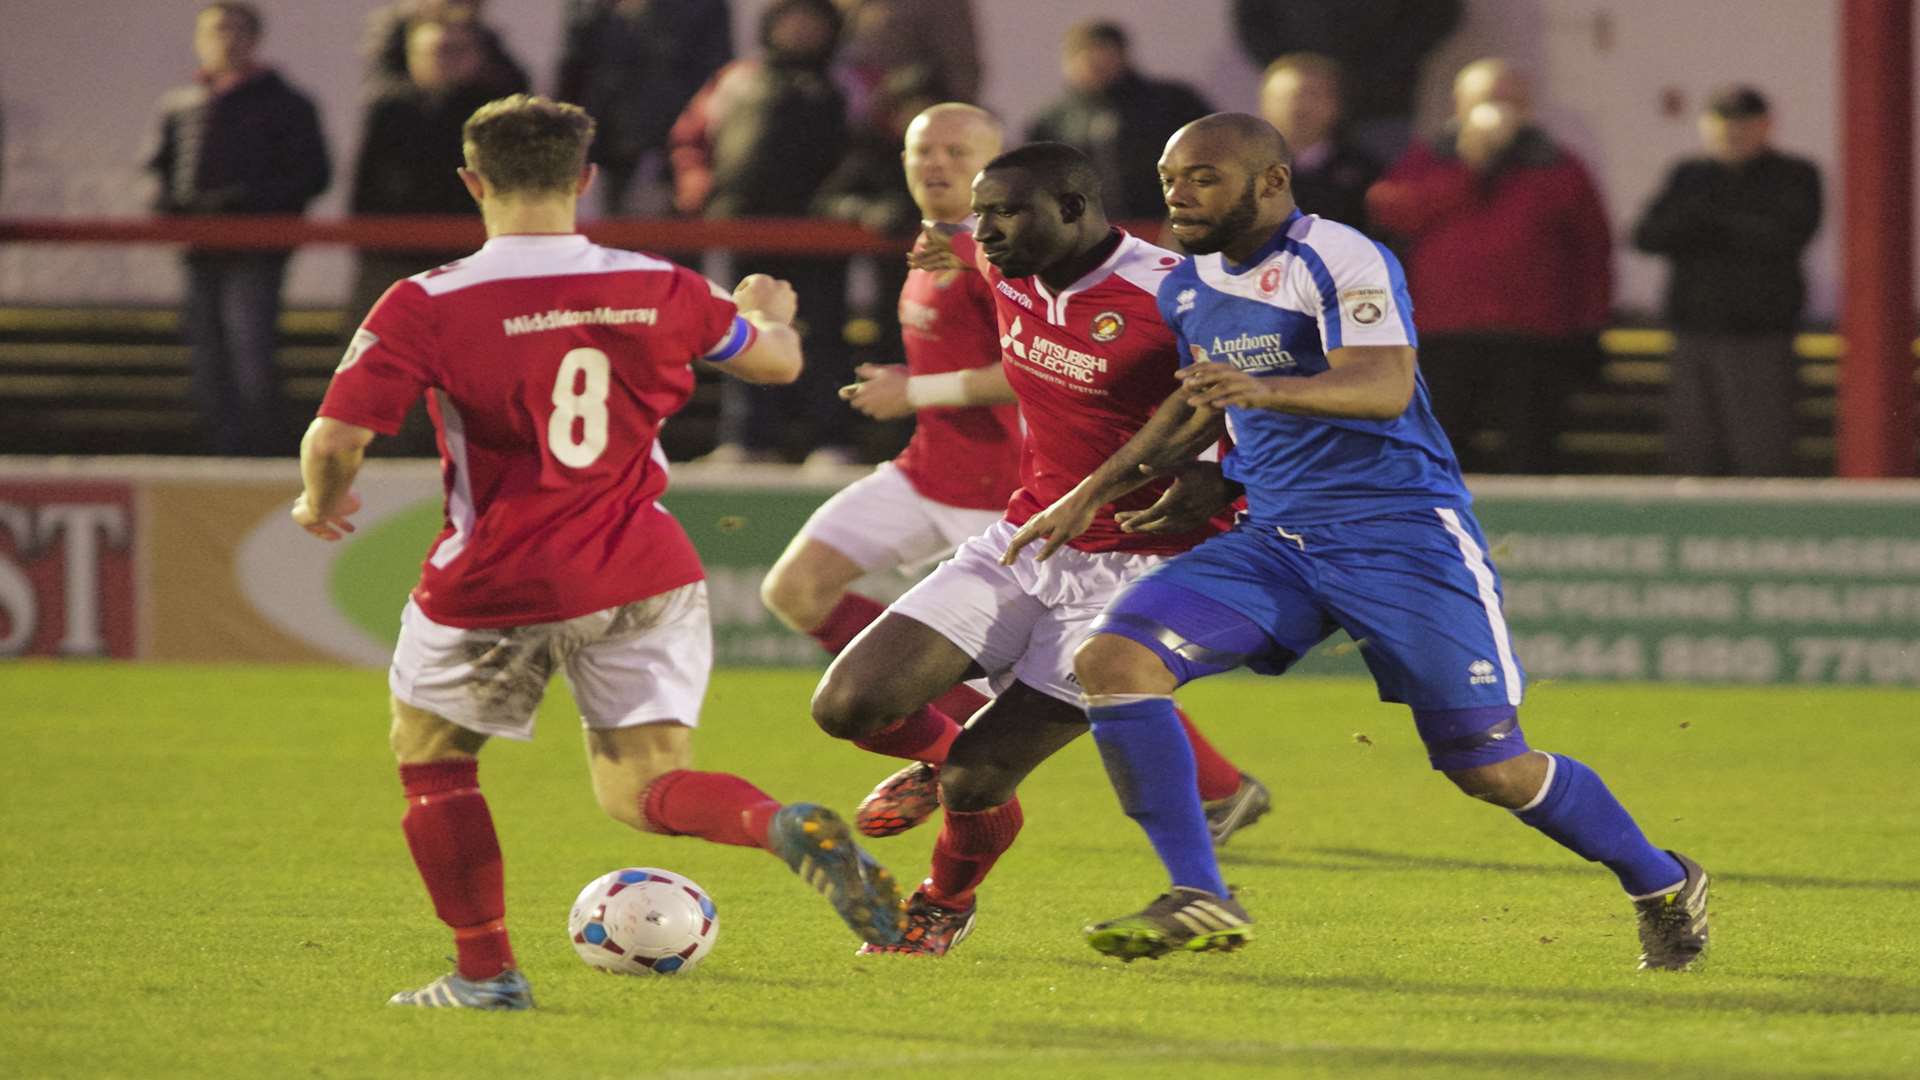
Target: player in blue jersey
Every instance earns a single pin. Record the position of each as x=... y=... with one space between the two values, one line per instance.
x=1301 y=337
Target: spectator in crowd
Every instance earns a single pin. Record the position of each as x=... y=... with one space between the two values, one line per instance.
x=1380 y=44
x=237 y=140
x=929 y=44
x=869 y=188
x=410 y=150
x=1118 y=117
x=1733 y=224
x=386 y=44
x=1509 y=257
x=409 y=158
x=759 y=140
x=1301 y=95
x=634 y=65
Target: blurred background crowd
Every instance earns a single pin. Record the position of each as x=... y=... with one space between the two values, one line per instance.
x=723 y=110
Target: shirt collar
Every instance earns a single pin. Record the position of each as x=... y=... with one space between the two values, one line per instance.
x=536 y=240
x=1274 y=243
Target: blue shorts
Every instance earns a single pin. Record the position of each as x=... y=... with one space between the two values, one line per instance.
x=1415 y=590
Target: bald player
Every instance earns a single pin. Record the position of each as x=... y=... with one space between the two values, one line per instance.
x=1301 y=340
x=951 y=481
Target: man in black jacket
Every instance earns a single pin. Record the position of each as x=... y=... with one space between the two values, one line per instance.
x=1734 y=225
x=1302 y=96
x=1118 y=117
x=410 y=154
x=386 y=44
x=238 y=140
x=410 y=151
x=1380 y=44
x=759 y=140
x=634 y=64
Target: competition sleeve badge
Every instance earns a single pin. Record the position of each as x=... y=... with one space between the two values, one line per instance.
x=363 y=339
x=1364 y=307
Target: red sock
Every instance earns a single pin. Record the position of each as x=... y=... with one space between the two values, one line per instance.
x=1218 y=776
x=961 y=702
x=969 y=844
x=720 y=807
x=848 y=617
x=923 y=736
x=451 y=836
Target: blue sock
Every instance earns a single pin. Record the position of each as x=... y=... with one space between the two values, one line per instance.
x=1152 y=770
x=1578 y=812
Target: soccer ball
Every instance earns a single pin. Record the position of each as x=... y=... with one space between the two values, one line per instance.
x=641 y=920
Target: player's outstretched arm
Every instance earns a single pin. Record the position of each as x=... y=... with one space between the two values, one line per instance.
x=1177 y=431
x=1363 y=382
x=944 y=247
x=774 y=357
x=330 y=457
x=887 y=392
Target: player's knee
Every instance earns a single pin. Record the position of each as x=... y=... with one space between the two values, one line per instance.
x=625 y=762
x=849 y=707
x=1512 y=783
x=795 y=597
x=1111 y=664
x=418 y=737
x=969 y=789
x=624 y=804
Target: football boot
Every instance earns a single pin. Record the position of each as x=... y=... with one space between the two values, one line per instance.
x=506 y=991
x=902 y=801
x=818 y=846
x=931 y=929
x=1181 y=920
x=1673 y=926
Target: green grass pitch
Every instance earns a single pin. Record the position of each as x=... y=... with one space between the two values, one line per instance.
x=201 y=874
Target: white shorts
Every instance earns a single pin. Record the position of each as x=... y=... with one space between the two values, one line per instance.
x=882 y=523
x=641 y=663
x=1021 y=622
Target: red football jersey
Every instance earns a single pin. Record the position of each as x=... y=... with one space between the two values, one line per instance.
x=968 y=456
x=551 y=363
x=1090 y=364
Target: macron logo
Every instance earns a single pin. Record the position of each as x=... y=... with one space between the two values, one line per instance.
x=1014 y=295
x=556 y=319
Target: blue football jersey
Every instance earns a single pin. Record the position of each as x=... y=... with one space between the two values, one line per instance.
x=1315 y=287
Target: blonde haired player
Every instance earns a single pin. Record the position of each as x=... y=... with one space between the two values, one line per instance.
x=549 y=364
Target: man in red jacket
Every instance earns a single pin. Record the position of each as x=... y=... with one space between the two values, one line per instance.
x=1508 y=257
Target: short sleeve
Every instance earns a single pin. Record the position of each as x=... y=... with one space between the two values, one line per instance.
x=719 y=331
x=1175 y=298
x=387 y=365
x=1355 y=288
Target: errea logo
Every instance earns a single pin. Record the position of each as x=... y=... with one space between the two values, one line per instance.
x=1480 y=673
x=363 y=339
x=1183 y=301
